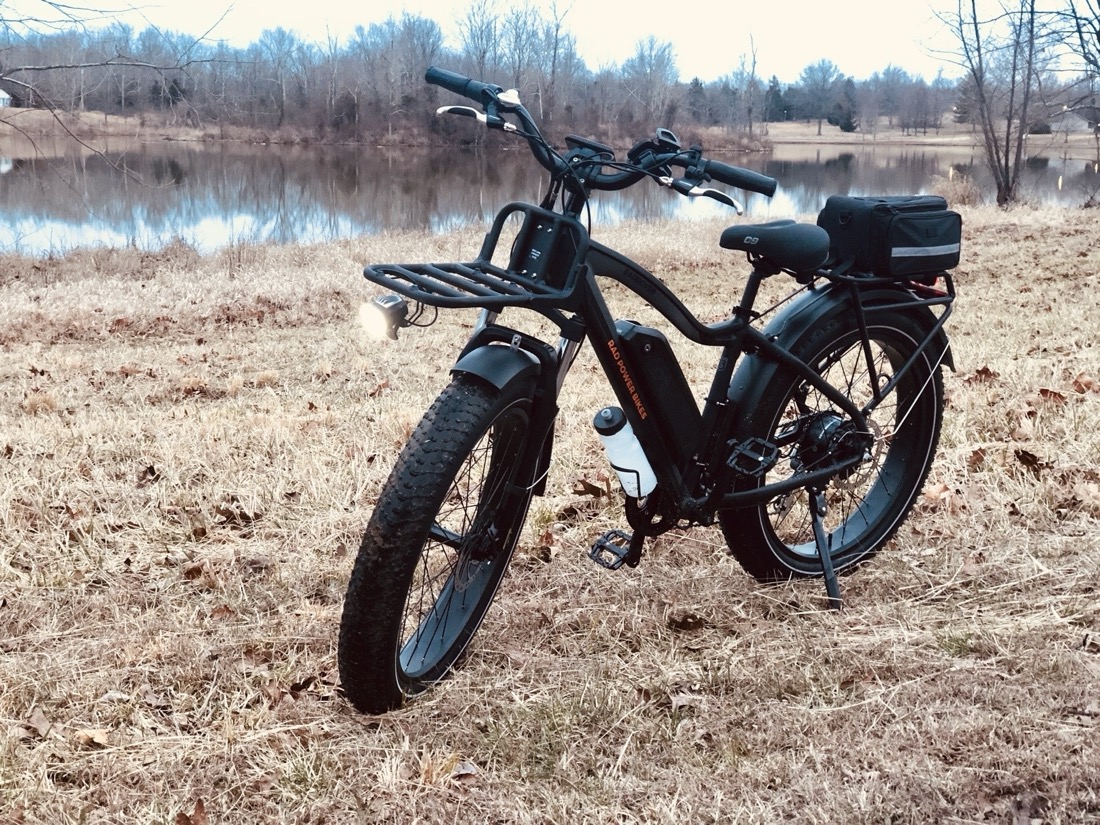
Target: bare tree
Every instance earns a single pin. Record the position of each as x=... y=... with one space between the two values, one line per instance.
x=820 y=83
x=651 y=77
x=1082 y=25
x=52 y=59
x=1001 y=59
x=1079 y=26
x=480 y=34
x=520 y=34
x=559 y=64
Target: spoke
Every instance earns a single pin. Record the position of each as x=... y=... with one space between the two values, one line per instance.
x=448 y=570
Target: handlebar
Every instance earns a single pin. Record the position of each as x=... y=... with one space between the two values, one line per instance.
x=461 y=85
x=741 y=178
x=493 y=98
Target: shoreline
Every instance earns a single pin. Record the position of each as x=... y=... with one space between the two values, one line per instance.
x=46 y=135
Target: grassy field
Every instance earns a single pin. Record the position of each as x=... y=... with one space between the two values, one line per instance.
x=190 y=447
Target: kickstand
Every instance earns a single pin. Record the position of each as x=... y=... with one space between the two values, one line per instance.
x=817 y=512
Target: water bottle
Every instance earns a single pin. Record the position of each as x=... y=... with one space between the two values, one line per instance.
x=625 y=453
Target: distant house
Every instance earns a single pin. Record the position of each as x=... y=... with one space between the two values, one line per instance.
x=5 y=99
x=1075 y=121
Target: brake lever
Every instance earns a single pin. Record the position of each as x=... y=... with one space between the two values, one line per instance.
x=691 y=190
x=490 y=121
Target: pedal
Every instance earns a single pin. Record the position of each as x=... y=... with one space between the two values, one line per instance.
x=612 y=550
x=753 y=458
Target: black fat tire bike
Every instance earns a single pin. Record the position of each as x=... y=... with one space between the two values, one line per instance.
x=816 y=437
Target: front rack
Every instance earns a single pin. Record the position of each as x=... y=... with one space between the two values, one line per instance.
x=544 y=267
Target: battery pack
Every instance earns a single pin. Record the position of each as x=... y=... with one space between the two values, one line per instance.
x=664 y=389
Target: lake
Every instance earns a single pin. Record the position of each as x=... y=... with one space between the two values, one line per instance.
x=213 y=196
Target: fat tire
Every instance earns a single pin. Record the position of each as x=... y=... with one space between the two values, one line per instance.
x=774 y=541
x=456 y=496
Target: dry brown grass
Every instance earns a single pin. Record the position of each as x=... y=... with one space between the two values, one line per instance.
x=190 y=446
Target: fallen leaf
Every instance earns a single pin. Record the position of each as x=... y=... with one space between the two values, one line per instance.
x=578 y=510
x=465 y=773
x=151 y=699
x=685 y=620
x=39 y=723
x=584 y=487
x=1032 y=462
x=197 y=817
x=198 y=525
x=943 y=497
x=273 y=693
x=93 y=737
x=234 y=514
x=1052 y=395
x=982 y=375
x=263 y=784
x=542 y=553
x=1085 y=383
x=303 y=685
x=679 y=701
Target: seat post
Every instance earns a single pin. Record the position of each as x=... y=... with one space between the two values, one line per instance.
x=748 y=297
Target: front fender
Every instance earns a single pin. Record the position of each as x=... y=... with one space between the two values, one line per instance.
x=499 y=364
x=513 y=369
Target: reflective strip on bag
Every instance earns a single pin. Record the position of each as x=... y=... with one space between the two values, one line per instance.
x=925 y=251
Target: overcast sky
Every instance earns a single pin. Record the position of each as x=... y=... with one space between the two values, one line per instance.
x=859 y=36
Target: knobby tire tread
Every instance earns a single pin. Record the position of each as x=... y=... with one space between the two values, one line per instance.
x=393 y=540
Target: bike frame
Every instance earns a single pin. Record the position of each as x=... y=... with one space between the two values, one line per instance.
x=553 y=268
x=694 y=491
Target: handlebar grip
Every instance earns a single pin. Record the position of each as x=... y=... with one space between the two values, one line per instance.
x=741 y=178
x=460 y=84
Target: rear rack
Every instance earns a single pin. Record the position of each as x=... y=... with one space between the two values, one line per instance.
x=543 y=271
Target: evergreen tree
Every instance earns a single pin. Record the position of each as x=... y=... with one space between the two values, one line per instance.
x=697 y=104
x=845 y=110
x=775 y=104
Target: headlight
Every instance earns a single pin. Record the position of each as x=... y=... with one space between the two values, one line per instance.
x=383 y=316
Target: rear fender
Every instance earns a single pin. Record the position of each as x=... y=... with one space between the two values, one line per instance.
x=814 y=309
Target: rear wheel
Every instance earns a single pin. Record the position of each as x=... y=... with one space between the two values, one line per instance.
x=437 y=545
x=866 y=505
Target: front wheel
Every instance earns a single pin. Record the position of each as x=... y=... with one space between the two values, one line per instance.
x=437 y=545
x=865 y=506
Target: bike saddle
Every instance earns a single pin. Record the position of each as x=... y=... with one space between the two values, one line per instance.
x=799 y=247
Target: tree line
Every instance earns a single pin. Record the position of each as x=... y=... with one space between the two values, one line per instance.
x=1018 y=69
x=369 y=85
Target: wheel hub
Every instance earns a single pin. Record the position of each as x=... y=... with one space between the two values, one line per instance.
x=832 y=439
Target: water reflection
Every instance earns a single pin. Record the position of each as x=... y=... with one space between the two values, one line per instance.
x=214 y=196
